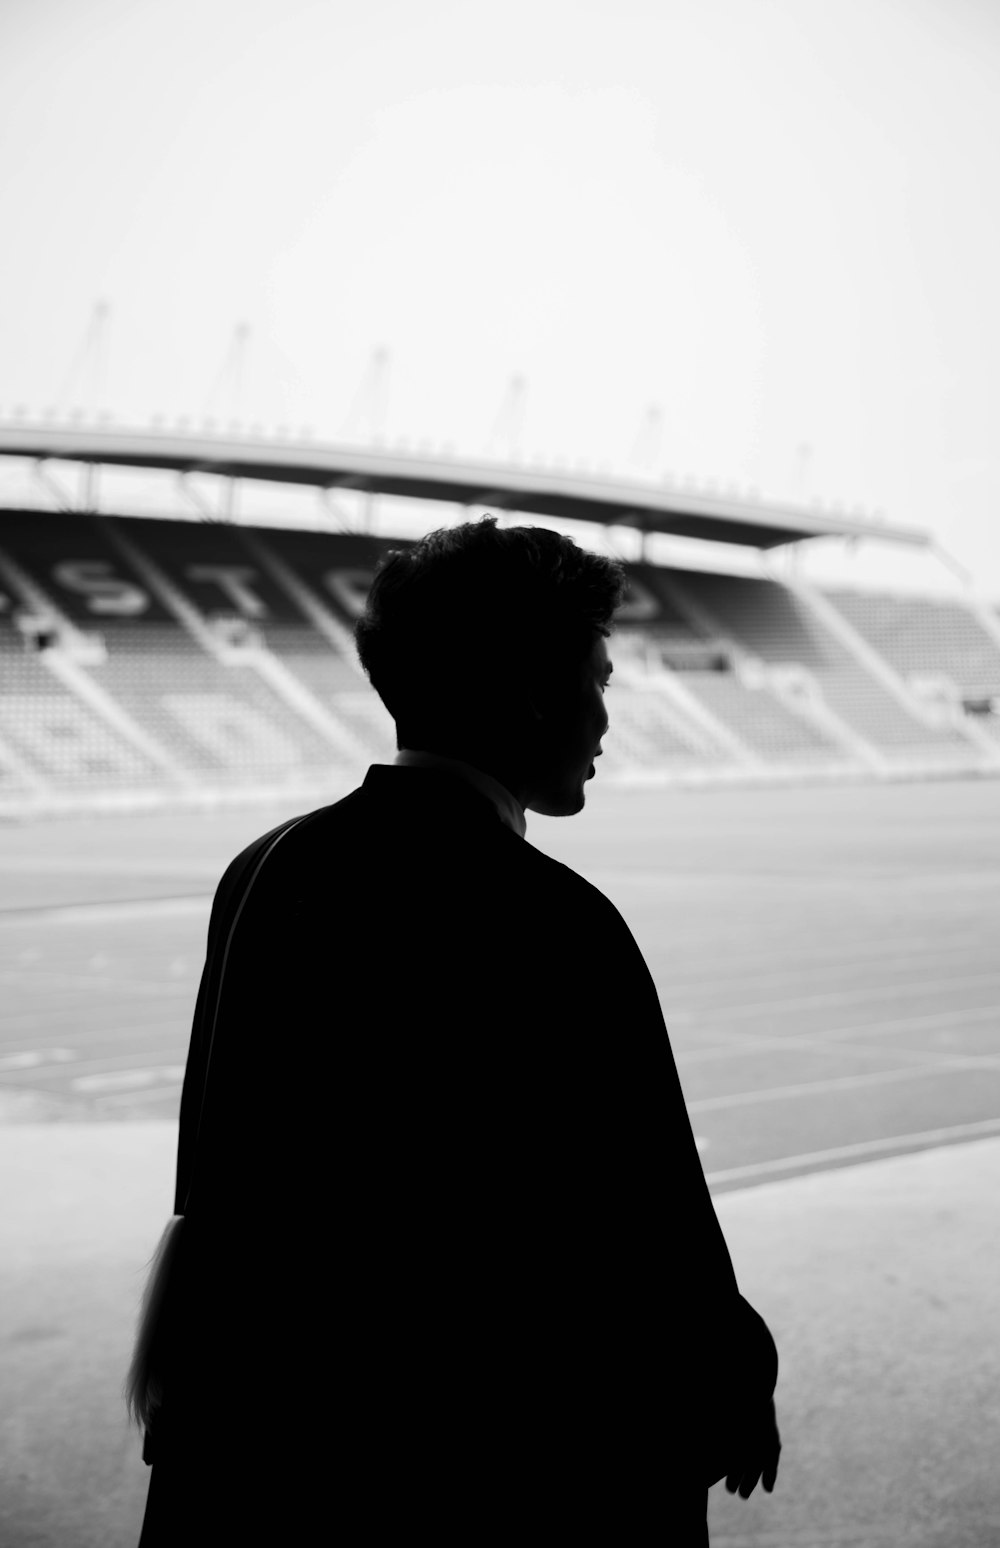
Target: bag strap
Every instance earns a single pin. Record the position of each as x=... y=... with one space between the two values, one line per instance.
x=269 y=844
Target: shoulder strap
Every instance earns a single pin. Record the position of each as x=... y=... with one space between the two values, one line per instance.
x=258 y=855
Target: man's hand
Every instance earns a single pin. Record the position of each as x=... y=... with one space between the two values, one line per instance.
x=757 y=1453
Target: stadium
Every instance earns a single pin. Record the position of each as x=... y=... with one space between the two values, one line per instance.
x=156 y=661
x=795 y=814
x=711 y=289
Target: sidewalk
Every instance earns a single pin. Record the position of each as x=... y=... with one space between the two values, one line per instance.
x=881 y=1284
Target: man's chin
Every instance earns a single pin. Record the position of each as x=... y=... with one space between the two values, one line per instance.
x=563 y=803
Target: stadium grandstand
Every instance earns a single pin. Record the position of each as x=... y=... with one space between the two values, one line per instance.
x=199 y=655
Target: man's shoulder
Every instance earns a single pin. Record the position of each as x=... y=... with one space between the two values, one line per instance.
x=349 y=831
x=254 y=852
x=546 y=870
x=239 y=875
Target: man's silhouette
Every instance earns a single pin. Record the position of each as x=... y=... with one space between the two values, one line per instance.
x=449 y=1261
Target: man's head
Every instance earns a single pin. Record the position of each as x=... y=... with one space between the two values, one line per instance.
x=488 y=644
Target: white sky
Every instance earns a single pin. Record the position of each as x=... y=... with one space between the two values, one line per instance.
x=776 y=220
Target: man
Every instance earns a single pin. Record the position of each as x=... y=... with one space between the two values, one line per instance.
x=449 y=1263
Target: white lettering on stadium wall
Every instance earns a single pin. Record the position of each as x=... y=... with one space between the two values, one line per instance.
x=106 y=594
x=233 y=580
x=350 y=588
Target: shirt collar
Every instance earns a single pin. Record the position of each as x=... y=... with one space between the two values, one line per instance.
x=509 y=807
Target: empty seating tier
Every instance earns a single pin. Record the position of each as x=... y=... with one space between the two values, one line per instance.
x=140 y=654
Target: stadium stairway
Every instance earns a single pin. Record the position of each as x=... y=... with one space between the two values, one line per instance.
x=792 y=626
x=947 y=651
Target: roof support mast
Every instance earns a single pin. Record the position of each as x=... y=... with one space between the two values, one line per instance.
x=369 y=412
x=226 y=396
x=85 y=391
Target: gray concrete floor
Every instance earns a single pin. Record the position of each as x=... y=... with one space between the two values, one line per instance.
x=881 y=1283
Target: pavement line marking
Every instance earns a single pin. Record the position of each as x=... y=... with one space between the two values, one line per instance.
x=109 y=1063
x=847 y=950
x=91 y=981
x=122 y=1080
x=842 y=1083
x=928 y=1137
x=842 y=996
x=785 y=964
x=107 y=913
x=31 y=1058
x=145 y=1095
x=92 y=865
x=116 y=1035
x=869 y=1538
x=115 y=1061
x=833 y=1037
x=88 y=1018
x=792 y=967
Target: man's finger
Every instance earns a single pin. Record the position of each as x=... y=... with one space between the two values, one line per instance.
x=745 y=1481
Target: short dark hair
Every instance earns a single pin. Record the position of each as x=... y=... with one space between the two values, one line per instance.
x=451 y=624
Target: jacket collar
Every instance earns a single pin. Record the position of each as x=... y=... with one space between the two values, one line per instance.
x=509 y=809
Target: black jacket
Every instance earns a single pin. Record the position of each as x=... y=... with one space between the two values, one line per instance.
x=448 y=1237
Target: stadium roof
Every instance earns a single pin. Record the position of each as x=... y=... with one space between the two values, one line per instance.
x=561 y=495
